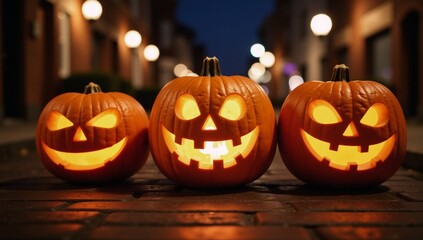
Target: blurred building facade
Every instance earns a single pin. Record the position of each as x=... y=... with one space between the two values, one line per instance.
x=45 y=41
x=381 y=40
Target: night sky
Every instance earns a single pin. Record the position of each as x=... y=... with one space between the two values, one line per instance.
x=227 y=28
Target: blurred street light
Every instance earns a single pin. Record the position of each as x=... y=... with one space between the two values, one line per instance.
x=257 y=50
x=267 y=59
x=256 y=71
x=92 y=10
x=295 y=81
x=132 y=39
x=151 y=53
x=180 y=70
x=321 y=24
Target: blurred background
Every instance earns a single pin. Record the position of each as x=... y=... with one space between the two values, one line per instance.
x=137 y=46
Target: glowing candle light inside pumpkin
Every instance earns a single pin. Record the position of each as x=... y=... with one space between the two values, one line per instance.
x=356 y=137
x=86 y=139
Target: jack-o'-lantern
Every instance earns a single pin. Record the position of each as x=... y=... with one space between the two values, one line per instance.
x=342 y=133
x=92 y=137
x=212 y=131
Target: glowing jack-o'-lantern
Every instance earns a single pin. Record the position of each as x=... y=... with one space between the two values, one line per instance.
x=212 y=130
x=93 y=137
x=342 y=133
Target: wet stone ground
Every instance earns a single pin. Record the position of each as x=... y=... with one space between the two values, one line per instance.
x=36 y=205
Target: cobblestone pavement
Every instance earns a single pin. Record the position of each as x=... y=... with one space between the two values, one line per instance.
x=36 y=205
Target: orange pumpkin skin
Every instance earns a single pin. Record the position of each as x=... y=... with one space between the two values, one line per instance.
x=373 y=149
x=210 y=92
x=81 y=151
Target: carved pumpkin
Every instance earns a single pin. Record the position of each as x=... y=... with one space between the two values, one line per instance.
x=212 y=130
x=92 y=137
x=342 y=133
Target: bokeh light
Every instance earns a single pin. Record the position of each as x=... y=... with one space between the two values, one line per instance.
x=256 y=70
x=321 y=24
x=133 y=39
x=151 y=53
x=92 y=10
x=257 y=50
x=295 y=81
x=180 y=70
x=267 y=59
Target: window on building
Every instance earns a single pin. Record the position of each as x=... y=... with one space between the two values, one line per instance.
x=115 y=57
x=304 y=24
x=379 y=47
x=98 y=50
x=303 y=71
x=64 y=44
x=324 y=66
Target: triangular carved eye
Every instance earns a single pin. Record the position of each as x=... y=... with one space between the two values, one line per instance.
x=56 y=121
x=186 y=108
x=234 y=107
x=106 y=119
x=376 y=116
x=323 y=112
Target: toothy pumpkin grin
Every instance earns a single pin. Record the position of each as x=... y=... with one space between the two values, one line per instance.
x=85 y=160
x=346 y=156
x=212 y=151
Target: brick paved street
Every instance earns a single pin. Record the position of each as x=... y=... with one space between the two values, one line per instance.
x=35 y=205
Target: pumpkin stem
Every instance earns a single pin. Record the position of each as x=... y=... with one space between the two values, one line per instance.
x=341 y=73
x=92 y=88
x=211 y=67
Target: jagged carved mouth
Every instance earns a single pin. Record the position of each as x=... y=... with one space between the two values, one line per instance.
x=347 y=156
x=85 y=160
x=212 y=150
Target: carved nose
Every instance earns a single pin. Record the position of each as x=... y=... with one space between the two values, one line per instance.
x=79 y=135
x=350 y=131
x=209 y=124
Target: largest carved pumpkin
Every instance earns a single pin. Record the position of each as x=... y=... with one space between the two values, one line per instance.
x=93 y=136
x=212 y=130
x=342 y=133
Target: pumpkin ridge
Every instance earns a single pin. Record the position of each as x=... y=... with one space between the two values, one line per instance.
x=118 y=104
x=79 y=97
x=256 y=149
x=402 y=136
x=250 y=88
x=175 y=174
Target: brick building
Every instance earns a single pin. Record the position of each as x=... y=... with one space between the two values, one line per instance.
x=44 y=41
x=382 y=40
x=378 y=39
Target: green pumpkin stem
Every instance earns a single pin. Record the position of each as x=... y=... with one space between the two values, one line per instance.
x=92 y=88
x=211 y=67
x=341 y=73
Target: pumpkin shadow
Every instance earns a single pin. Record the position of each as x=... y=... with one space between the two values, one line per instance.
x=41 y=184
x=312 y=190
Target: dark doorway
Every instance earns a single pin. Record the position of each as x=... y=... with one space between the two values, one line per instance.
x=410 y=36
x=13 y=88
x=49 y=50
